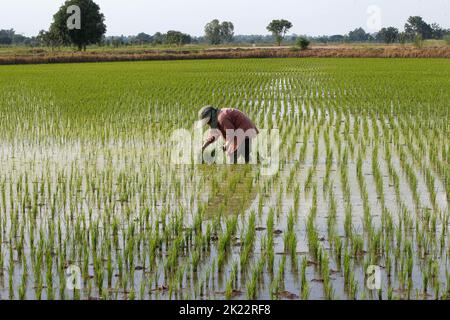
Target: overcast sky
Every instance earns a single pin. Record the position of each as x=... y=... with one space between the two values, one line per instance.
x=311 y=17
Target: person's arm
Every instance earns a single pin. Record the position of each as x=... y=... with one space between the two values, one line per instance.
x=209 y=140
x=230 y=145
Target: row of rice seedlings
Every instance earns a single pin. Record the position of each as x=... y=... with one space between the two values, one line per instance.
x=141 y=228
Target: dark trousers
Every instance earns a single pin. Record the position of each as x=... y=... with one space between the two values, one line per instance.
x=244 y=150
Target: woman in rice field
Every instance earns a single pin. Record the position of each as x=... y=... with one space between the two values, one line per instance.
x=235 y=127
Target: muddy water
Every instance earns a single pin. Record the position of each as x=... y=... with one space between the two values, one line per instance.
x=50 y=163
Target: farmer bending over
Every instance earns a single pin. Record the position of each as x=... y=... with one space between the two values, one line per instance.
x=234 y=126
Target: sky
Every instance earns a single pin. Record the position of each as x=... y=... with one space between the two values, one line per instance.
x=310 y=17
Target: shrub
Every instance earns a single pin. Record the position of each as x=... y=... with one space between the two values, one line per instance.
x=303 y=43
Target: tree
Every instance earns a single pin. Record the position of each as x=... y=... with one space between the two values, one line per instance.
x=117 y=41
x=226 y=31
x=178 y=38
x=41 y=37
x=417 y=26
x=358 y=35
x=92 y=24
x=158 y=38
x=388 y=35
x=143 y=38
x=49 y=38
x=217 y=33
x=212 y=32
x=279 y=28
x=19 y=39
x=337 y=38
x=403 y=37
x=7 y=36
x=303 y=43
x=436 y=31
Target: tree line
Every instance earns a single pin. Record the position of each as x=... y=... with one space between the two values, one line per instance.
x=215 y=33
x=415 y=27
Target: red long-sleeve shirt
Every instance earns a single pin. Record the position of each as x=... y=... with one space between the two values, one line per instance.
x=232 y=119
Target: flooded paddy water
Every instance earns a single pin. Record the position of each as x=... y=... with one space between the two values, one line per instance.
x=91 y=206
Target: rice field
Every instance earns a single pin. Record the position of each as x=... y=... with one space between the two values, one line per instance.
x=88 y=192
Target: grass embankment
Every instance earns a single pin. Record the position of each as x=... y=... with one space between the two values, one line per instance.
x=105 y=54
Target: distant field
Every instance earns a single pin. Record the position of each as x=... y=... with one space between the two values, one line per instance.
x=26 y=55
x=87 y=183
x=4 y=50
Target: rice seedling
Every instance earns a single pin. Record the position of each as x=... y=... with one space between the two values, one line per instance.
x=87 y=181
